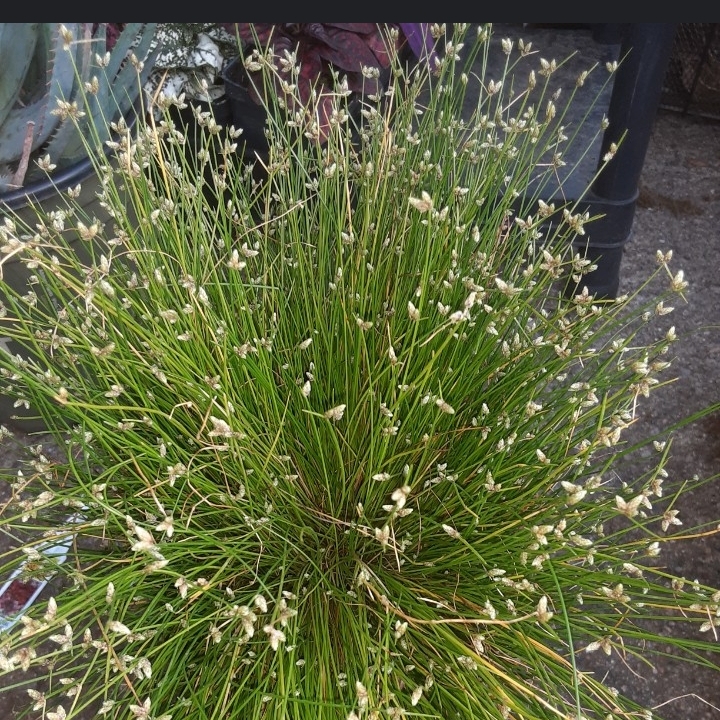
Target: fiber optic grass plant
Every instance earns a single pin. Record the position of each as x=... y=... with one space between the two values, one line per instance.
x=333 y=442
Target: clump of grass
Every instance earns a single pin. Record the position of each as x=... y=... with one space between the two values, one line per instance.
x=335 y=442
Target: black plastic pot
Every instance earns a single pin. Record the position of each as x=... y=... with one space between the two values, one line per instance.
x=244 y=112
x=45 y=189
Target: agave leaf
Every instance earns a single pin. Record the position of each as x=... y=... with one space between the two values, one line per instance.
x=61 y=146
x=117 y=92
x=17 y=45
x=119 y=82
x=132 y=33
x=61 y=74
x=125 y=83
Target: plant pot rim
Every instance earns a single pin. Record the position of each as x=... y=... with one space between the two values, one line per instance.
x=44 y=189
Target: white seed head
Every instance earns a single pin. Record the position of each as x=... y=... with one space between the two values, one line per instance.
x=117 y=627
x=335 y=413
x=444 y=406
x=542 y=612
x=452 y=532
x=424 y=204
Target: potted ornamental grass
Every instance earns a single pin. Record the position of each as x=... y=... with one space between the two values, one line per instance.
x=332 y=440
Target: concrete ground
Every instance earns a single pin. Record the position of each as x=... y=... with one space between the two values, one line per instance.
x=678 y=209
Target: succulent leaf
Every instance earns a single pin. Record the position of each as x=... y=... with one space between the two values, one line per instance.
x=17 y=45
x=55 y=82
x=117 y=92
x=38 y=71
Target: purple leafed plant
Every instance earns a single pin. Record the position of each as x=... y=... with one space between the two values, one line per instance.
x=324 y=48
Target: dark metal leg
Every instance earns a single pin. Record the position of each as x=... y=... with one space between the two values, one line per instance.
x=644 y=56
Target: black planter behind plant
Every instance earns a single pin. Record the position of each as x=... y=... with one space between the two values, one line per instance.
x=243 y=111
